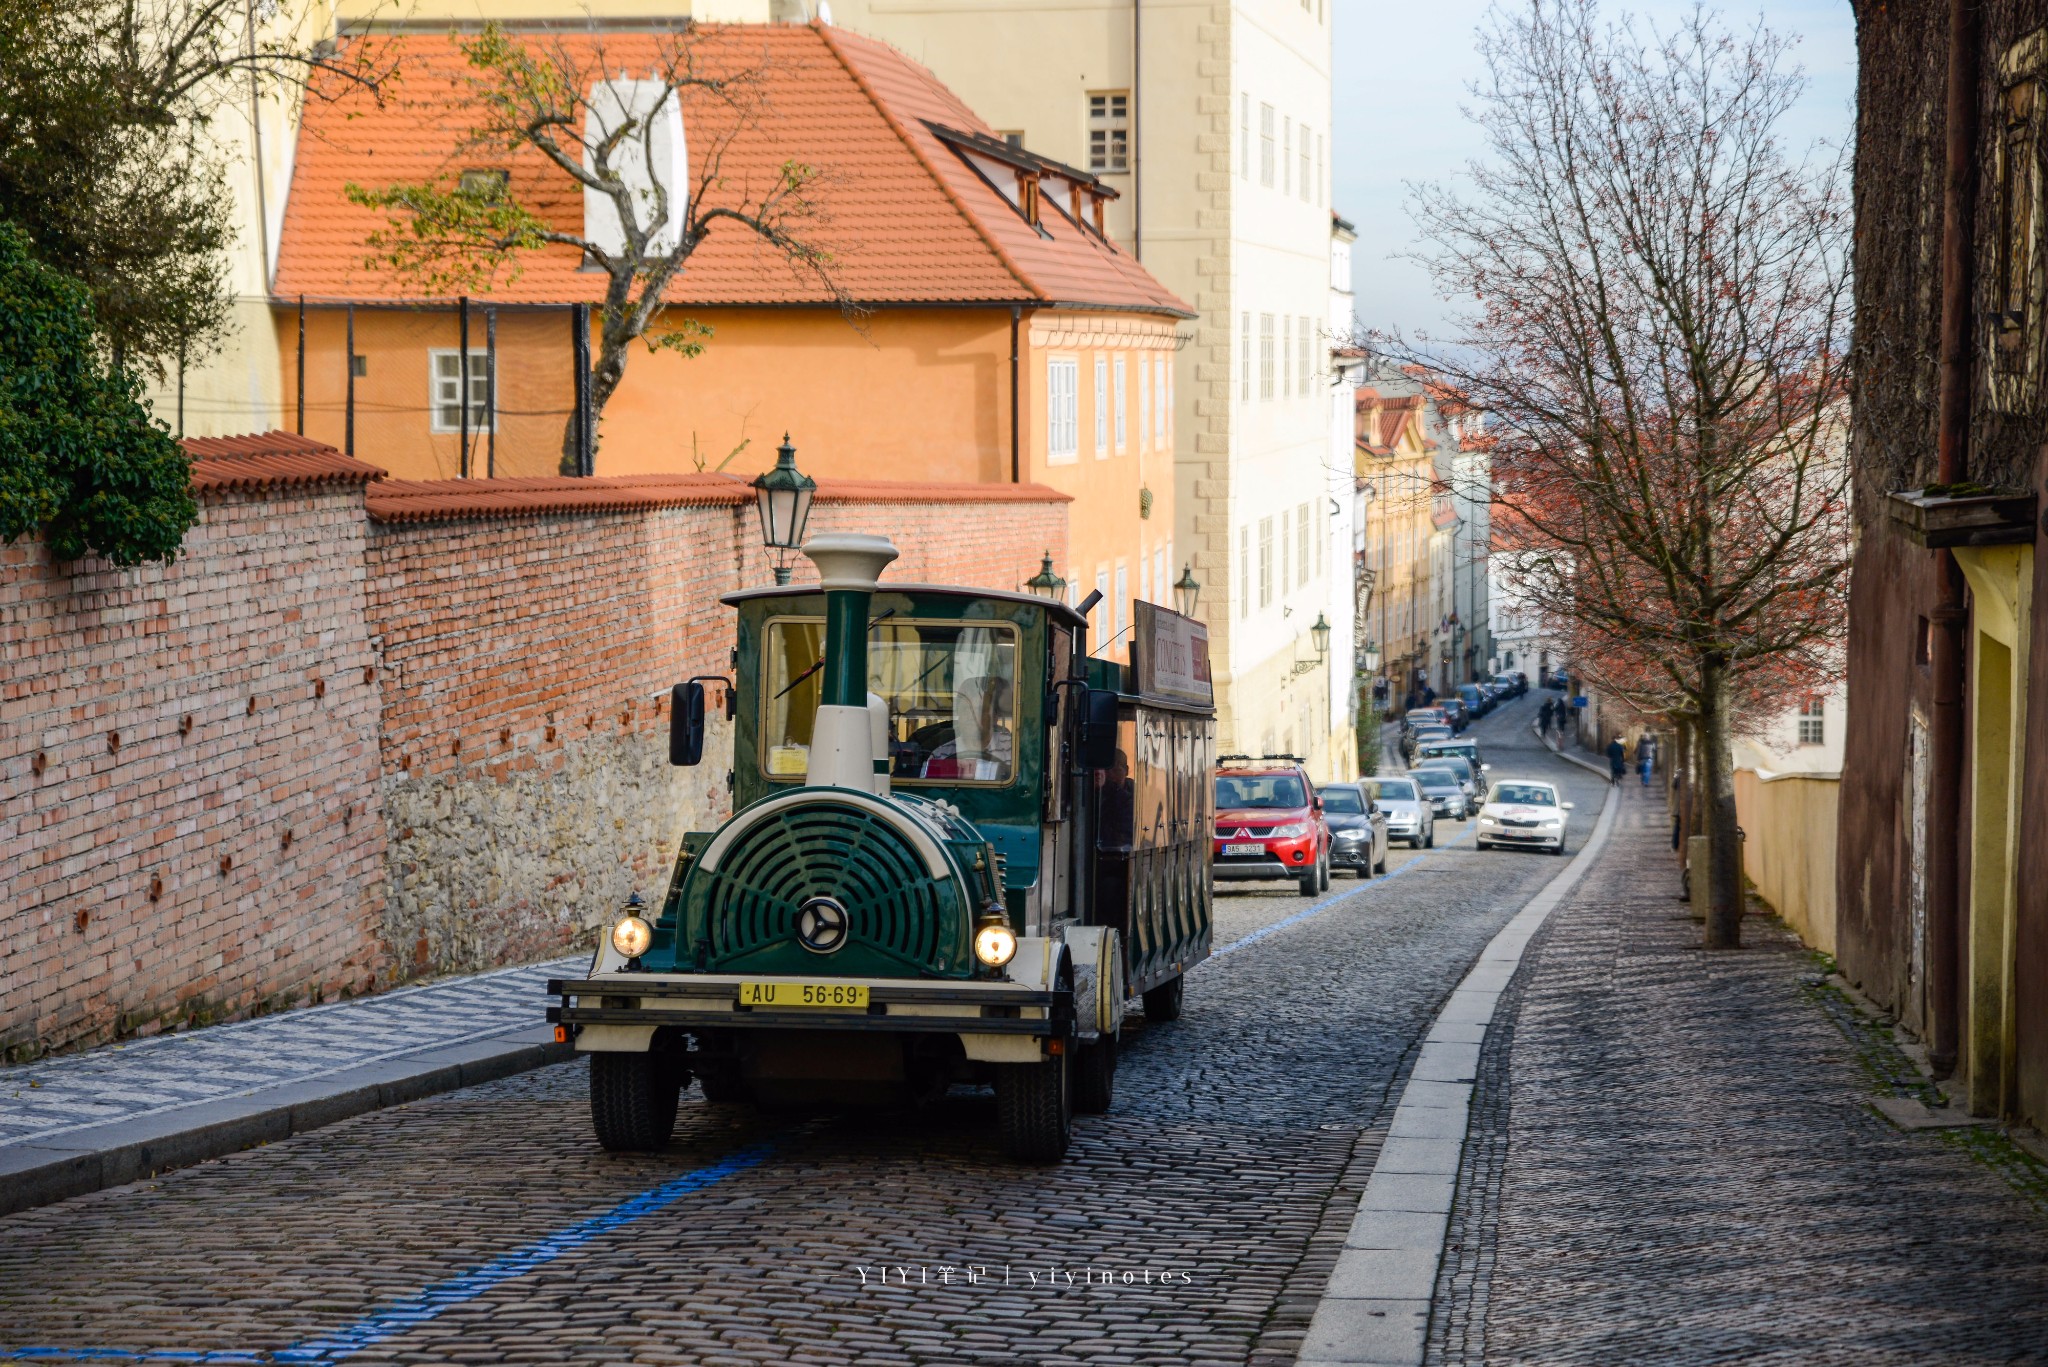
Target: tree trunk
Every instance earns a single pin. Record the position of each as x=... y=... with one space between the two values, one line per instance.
x=605 y=374
x=1717 y=796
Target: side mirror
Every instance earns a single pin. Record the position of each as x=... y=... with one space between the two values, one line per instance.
x=1098 y=730
x=1485 y=768
x=1565 y=805
x=686 y=724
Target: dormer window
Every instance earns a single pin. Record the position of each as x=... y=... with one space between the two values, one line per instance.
x=485 y=184
x=1027 y=196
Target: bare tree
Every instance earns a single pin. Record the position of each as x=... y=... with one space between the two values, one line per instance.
x=1656 y=327
x=553 y=96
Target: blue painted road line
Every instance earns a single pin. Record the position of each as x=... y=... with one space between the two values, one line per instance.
x=1332 y=900
x=417 y=1309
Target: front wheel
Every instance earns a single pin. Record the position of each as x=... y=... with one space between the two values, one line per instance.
x=1095 y=1076
x=1034 y=1109
x=1429 y=841
x=1323 y=873
x=1162 y=1003
x=633 y=1100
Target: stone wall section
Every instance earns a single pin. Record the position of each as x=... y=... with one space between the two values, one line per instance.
x=188 y=764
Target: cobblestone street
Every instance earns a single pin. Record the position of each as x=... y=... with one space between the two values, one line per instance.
x=1674 y=1159
x=486 y=1226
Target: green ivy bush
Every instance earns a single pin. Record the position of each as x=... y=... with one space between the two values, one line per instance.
x=82 y=463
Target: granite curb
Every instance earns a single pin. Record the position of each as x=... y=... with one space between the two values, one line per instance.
x=1375 y=1310
x=42 y=1172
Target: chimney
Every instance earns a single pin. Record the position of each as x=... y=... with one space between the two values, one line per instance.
x=843 y=750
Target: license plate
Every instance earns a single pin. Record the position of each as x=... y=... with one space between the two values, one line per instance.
x=1253 y=848
x=829 y=995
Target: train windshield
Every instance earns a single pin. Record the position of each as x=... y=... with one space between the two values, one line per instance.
x=951 y=688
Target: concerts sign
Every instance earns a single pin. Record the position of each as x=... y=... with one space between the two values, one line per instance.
x=1170 y=656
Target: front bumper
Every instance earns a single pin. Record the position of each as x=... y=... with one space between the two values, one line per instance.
x=1521 y=835
x=708 y=1001
x=1351 y=855
x=1247 y=870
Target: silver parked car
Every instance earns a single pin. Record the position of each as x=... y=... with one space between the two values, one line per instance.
x=1358 y=829
x=1441 y=789
x=1409 y=819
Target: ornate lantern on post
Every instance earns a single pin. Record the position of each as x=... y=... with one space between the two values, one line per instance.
x=783 y=498
x=1187 y=592
x=1045 y=584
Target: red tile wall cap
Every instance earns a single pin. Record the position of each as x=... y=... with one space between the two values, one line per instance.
x=447 y=500
x=270 y=460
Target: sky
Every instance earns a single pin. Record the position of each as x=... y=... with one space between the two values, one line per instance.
x=1403 y=71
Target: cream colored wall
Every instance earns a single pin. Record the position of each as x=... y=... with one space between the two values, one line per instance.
x=556 y=11
x=1790 y=853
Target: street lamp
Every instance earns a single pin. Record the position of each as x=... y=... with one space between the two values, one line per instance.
x=1320 y=634
x=1370 y=657
x=783 y=497
x=1045 y=584
x=1187 y=591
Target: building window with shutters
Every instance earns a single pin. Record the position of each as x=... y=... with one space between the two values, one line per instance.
x=1118 y=403
x=1301 y=538
x=1265 y=562
x=1101 y=407
x=1062 y=416
x=1265 y=355
x=1266 y=148
x=445 y=368
x=1813 y=726
x=1109 y=125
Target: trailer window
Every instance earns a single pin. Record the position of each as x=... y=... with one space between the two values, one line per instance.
x=951 y=688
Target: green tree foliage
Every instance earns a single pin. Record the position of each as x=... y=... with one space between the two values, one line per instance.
x=106 y=160
x=81 y=462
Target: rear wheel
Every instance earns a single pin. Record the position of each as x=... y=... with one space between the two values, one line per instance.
x=1162 y=1003
x=1095 y=1076
x=633 y=1100
x=1034 y=1109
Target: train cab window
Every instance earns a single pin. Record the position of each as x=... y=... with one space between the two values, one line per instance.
x=951 y=688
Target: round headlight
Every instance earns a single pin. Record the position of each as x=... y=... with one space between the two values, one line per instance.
x=995 y=944
x=631 y=936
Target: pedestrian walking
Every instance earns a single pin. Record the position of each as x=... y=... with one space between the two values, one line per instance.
x=1617 y=760
x=1645 y=757
x=1543 y=718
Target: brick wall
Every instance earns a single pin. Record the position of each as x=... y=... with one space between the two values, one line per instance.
x=527 y=663
x=188 y=766
x=418 y=741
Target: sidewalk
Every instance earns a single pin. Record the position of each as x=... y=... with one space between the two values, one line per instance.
x=82 y=1122
x=1674 y=1157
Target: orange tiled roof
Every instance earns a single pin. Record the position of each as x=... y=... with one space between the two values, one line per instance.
x=270 y=460
x=906 y=217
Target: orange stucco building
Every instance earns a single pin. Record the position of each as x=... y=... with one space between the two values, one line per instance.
x=993 y=334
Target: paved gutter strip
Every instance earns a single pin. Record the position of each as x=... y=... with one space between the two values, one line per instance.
x=42 y=1170
x=1375 y=1311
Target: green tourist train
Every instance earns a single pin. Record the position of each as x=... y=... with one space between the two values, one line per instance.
x=959 y=846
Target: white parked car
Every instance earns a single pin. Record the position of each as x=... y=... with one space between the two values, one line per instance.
x=1519 y=812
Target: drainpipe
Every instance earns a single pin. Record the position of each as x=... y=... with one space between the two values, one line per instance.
x=1137 y=104
x=1945 y=739
x=1016 y=454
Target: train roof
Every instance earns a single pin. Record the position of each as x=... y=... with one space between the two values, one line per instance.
x=1052 y=606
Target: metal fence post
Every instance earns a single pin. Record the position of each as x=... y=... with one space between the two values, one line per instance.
x=491 y=392
x=586 y=448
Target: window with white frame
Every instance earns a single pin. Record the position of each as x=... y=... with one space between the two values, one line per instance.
x=445 y=368
x=1244 y=359
x=1286 y=155
x=1265 y=562
x=1266 y=148
x=1265 y=355
x=1119 y=403
x=1101 y=407
x=1101 y=606
x=1144 y=399
x=1813 y=726
x=1109 y=131
x=1244 y=571
x=1301 y=540
x=1062 y=404
x=1244 y=135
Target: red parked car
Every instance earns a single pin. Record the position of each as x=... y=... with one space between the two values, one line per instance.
x=1269 y=823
